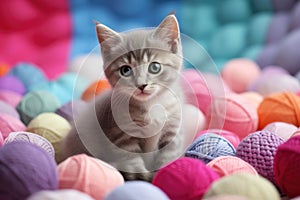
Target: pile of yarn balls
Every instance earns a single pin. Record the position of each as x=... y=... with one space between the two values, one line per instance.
x=249 y=148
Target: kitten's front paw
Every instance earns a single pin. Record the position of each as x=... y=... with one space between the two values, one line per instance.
x=146 y=176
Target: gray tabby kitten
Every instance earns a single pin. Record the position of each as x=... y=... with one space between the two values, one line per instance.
x=136 y=127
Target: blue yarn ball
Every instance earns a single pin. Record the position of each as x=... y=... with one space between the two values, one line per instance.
x=233 y=11
x=210 y=146
x=198 y=21
x=29 y=74
x=130 y=8
x=258 y=27
x=261 y=5
x=228 y=41
x=131 y=190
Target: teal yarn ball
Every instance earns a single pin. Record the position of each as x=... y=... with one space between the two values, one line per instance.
x=261 y=5
x=35 y=103
x=193 y=17
x=233 y=10
x=258 y=27
x=228 y=41
x=252 y=52
x=29 y=74
x=210 y=146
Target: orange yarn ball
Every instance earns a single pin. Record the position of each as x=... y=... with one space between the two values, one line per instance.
x=279 y=107
x=3 y=69
x=88 y=175
x=95 y=88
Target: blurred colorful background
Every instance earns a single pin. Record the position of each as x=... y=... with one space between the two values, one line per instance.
x=50 y=34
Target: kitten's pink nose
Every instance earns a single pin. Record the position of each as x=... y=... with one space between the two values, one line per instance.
x=142 y=87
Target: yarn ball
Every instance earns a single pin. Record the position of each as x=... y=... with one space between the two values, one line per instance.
x=233 y=113
x=230 y=136
x=60 y=194
x=6 y=108
x=267 y=55
x=253 y=97
x=12 y=83
x=278 y=27
x=239 y=73
x=209 y=146
x=294 y=22
x=287 y=53
x=10 y=124
x=88 y=175
x=286 y=167
x=226 y=165
x=4 y=69
x=279 y=107
x=258 y=149
x=258 y=26
x=131 y=190
x=35 y=103
x=31 y=138
x=276 y=83
x=297 y=132
x=201 y=88
x=10 y=97
x=25 y=169
x=71 y=108
x=282 y=129
x=94 y=89
x=242 y=10
x=176 y=177
x=29 y=74
x=227 y=197
x=52 y=127
x=250 y=186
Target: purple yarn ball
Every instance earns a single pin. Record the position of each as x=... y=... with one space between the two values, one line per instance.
x=288 y=52
x=278 y=28
x=268 y=55
x=25 y=169
x=12 y=83
x=210 y=146
x=258 y=149
x=70 y=109
x=283 y=5
x=295 y=16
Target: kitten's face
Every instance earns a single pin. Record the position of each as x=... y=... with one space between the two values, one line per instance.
x=142 y=63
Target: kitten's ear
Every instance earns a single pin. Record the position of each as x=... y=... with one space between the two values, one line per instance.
x=104 y=33
x=168 y=30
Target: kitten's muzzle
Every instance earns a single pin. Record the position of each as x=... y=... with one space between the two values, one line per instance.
x=142 y=87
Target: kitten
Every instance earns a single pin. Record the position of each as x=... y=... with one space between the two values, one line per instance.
x=136 y=126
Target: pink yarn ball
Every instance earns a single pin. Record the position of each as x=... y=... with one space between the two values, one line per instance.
x=230 y=136
x=258 y=149
x=10 y=97
x=287 y=165
x=88 y=175
x=233 y=113
x=282 y=129
x=253 y=97
x=10 y=124
x=1 y=139
x=200 y=89
x=185 y=178
x=239 y=73
x=226 y=165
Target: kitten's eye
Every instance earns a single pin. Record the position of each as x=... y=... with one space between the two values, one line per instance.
x=154 y=68
x=126 y=71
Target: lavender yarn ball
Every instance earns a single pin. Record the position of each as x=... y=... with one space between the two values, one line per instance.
x=71 y=109
x=60 y=194
x=12 y=83
x=6 y=108
x=31 y=138
x=285 y=5
x=267 y=55
x=258 y=149
x=295 y=16
x=25 y=169
x=131 y=190
x=210 y=146
x=278 y=28
x=287 y=55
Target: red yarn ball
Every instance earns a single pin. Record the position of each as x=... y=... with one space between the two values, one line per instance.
x=185 y=178
x=287 y=167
